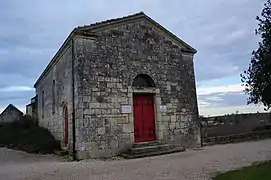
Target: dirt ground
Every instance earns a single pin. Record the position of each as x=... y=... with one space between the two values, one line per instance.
x=189 y=165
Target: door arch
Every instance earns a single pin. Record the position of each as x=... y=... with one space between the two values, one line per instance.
x=143 y=81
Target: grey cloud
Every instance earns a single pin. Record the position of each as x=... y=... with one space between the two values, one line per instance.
x=17 y=98
x=224 y=99
x=221 y=31
x=14 y=79
x=24 y=61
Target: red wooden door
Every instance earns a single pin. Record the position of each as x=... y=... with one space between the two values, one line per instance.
x=144 y=120
x=66 y=126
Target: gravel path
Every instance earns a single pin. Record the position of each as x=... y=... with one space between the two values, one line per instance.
x=189 y=165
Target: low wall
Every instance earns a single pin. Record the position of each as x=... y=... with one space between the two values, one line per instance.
x=208 y=141
x=234 y=124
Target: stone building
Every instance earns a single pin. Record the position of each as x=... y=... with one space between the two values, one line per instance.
x=10 y=114
x=32 y=109
x=120 y=82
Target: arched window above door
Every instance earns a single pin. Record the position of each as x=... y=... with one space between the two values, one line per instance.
x=143 y=81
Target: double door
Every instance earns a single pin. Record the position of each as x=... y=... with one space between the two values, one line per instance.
x=144 y=118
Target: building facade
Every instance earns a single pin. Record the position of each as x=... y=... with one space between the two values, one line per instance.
x=120 y=82
x=31 y=108
x=11 y=114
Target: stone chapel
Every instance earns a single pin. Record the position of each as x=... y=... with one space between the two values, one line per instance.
x=120 y=86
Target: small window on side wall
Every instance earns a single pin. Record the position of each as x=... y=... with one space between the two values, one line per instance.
x=53 y=97
x=42 y=104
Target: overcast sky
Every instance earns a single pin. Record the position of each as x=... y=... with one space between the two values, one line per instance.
x=221 y=30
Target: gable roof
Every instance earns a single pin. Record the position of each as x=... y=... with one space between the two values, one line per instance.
x=99 y=25
x=141 y=15
x=12 y=107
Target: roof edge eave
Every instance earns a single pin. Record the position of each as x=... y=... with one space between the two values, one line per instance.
x=55 y=56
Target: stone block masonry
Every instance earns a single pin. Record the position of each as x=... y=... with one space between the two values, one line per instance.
x=105 y=71
x=47 y=118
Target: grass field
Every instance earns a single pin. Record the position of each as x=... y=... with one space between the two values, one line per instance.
x=261 y=171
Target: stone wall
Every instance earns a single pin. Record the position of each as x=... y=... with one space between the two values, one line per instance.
x=61 y=73
x=235 y=138
x=234 y=124
x=105 y=69
x=32 y=111
x=29 y=110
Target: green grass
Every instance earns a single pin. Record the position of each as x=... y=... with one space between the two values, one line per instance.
x=260 y=171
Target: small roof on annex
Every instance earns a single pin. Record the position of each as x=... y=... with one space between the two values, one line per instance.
x=102 y=24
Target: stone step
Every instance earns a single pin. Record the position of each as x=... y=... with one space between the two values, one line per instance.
x=147 y=149
x=61 y=152
x=152 y=153
x=144 y=144
x=153 y=148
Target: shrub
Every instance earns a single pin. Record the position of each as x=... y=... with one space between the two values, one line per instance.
x=25 y=135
